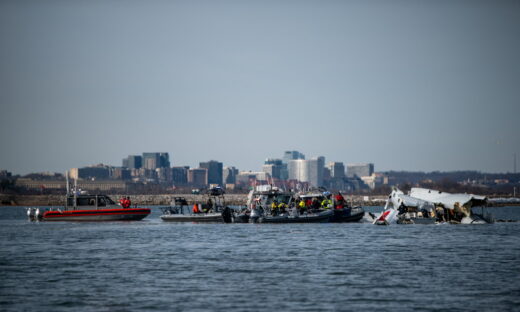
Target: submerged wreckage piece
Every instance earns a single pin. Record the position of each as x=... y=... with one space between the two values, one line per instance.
x=426 y=206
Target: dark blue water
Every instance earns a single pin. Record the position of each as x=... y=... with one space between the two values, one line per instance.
x=156 y=266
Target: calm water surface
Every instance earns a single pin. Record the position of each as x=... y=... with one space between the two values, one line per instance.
x=157 y=266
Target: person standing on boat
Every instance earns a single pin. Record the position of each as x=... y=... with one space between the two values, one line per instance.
x=274 y=208
x=281 y=207
x=207 y=207
x=340 y=201
x=124 y=202
x=326 y=203
x=302 y=206
x=308 y=203
x=315 y=204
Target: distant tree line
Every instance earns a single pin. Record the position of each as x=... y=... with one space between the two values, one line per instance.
x=455 y=182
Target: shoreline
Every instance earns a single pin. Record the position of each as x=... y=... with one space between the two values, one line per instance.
x=166 y=199
x=158 y=200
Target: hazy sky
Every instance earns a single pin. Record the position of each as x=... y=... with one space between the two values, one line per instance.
x=407 y=85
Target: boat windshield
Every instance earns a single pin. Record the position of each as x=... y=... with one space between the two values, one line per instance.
x=108 y=200
x=279 y=198
x=90 y=201
x=86 y=201
x=102 y=201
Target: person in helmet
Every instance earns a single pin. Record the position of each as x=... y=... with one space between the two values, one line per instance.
x=302 y=206
x=274 y=208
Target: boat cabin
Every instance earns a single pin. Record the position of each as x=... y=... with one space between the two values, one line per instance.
x=88 y=202
x=265 y=199
x=180 y=201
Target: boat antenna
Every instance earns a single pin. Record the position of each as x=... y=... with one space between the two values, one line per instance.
x=67 y=181
x=75 y=192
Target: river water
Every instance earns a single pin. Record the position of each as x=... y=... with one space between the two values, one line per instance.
x=151 y=265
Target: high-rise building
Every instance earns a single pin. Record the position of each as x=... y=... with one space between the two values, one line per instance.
x=100 y=172
x=214 y=171
x=272 y=170
x=298 y=170
x=315 y=168
x=143 y=175
x=164 y=160
x=120 y=173
x=164 y=175
x=292 y=155
x=229 y=175
x=276 y=168
x=153 y=161
x=337 y=169
x=5 y=174
x=326 y=174
x=310 y=171
x=133 y=162
x=249 y=178
x=360 y=170
x=180 y=175
x=198 y=177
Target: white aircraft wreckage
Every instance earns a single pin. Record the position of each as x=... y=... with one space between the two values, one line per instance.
x=425 y=206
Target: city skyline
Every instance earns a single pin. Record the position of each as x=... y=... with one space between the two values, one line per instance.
x=406 y=85
x=261 y=167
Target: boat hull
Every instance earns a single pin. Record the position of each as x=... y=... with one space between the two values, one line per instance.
x=203 y=217
x=347 y=215
x=241 y=218
x=126 y=214
x=308 y=218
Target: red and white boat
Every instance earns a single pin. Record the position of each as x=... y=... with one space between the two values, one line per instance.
x=88 y=208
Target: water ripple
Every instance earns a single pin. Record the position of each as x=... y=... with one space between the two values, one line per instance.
x=156 y=266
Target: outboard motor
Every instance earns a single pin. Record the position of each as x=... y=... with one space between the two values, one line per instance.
x=38 y=215
x=31 y=214
x=227 y=215
x=256 y=215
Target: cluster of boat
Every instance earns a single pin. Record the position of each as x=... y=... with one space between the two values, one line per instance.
x=268 y=204
x=265 y=204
